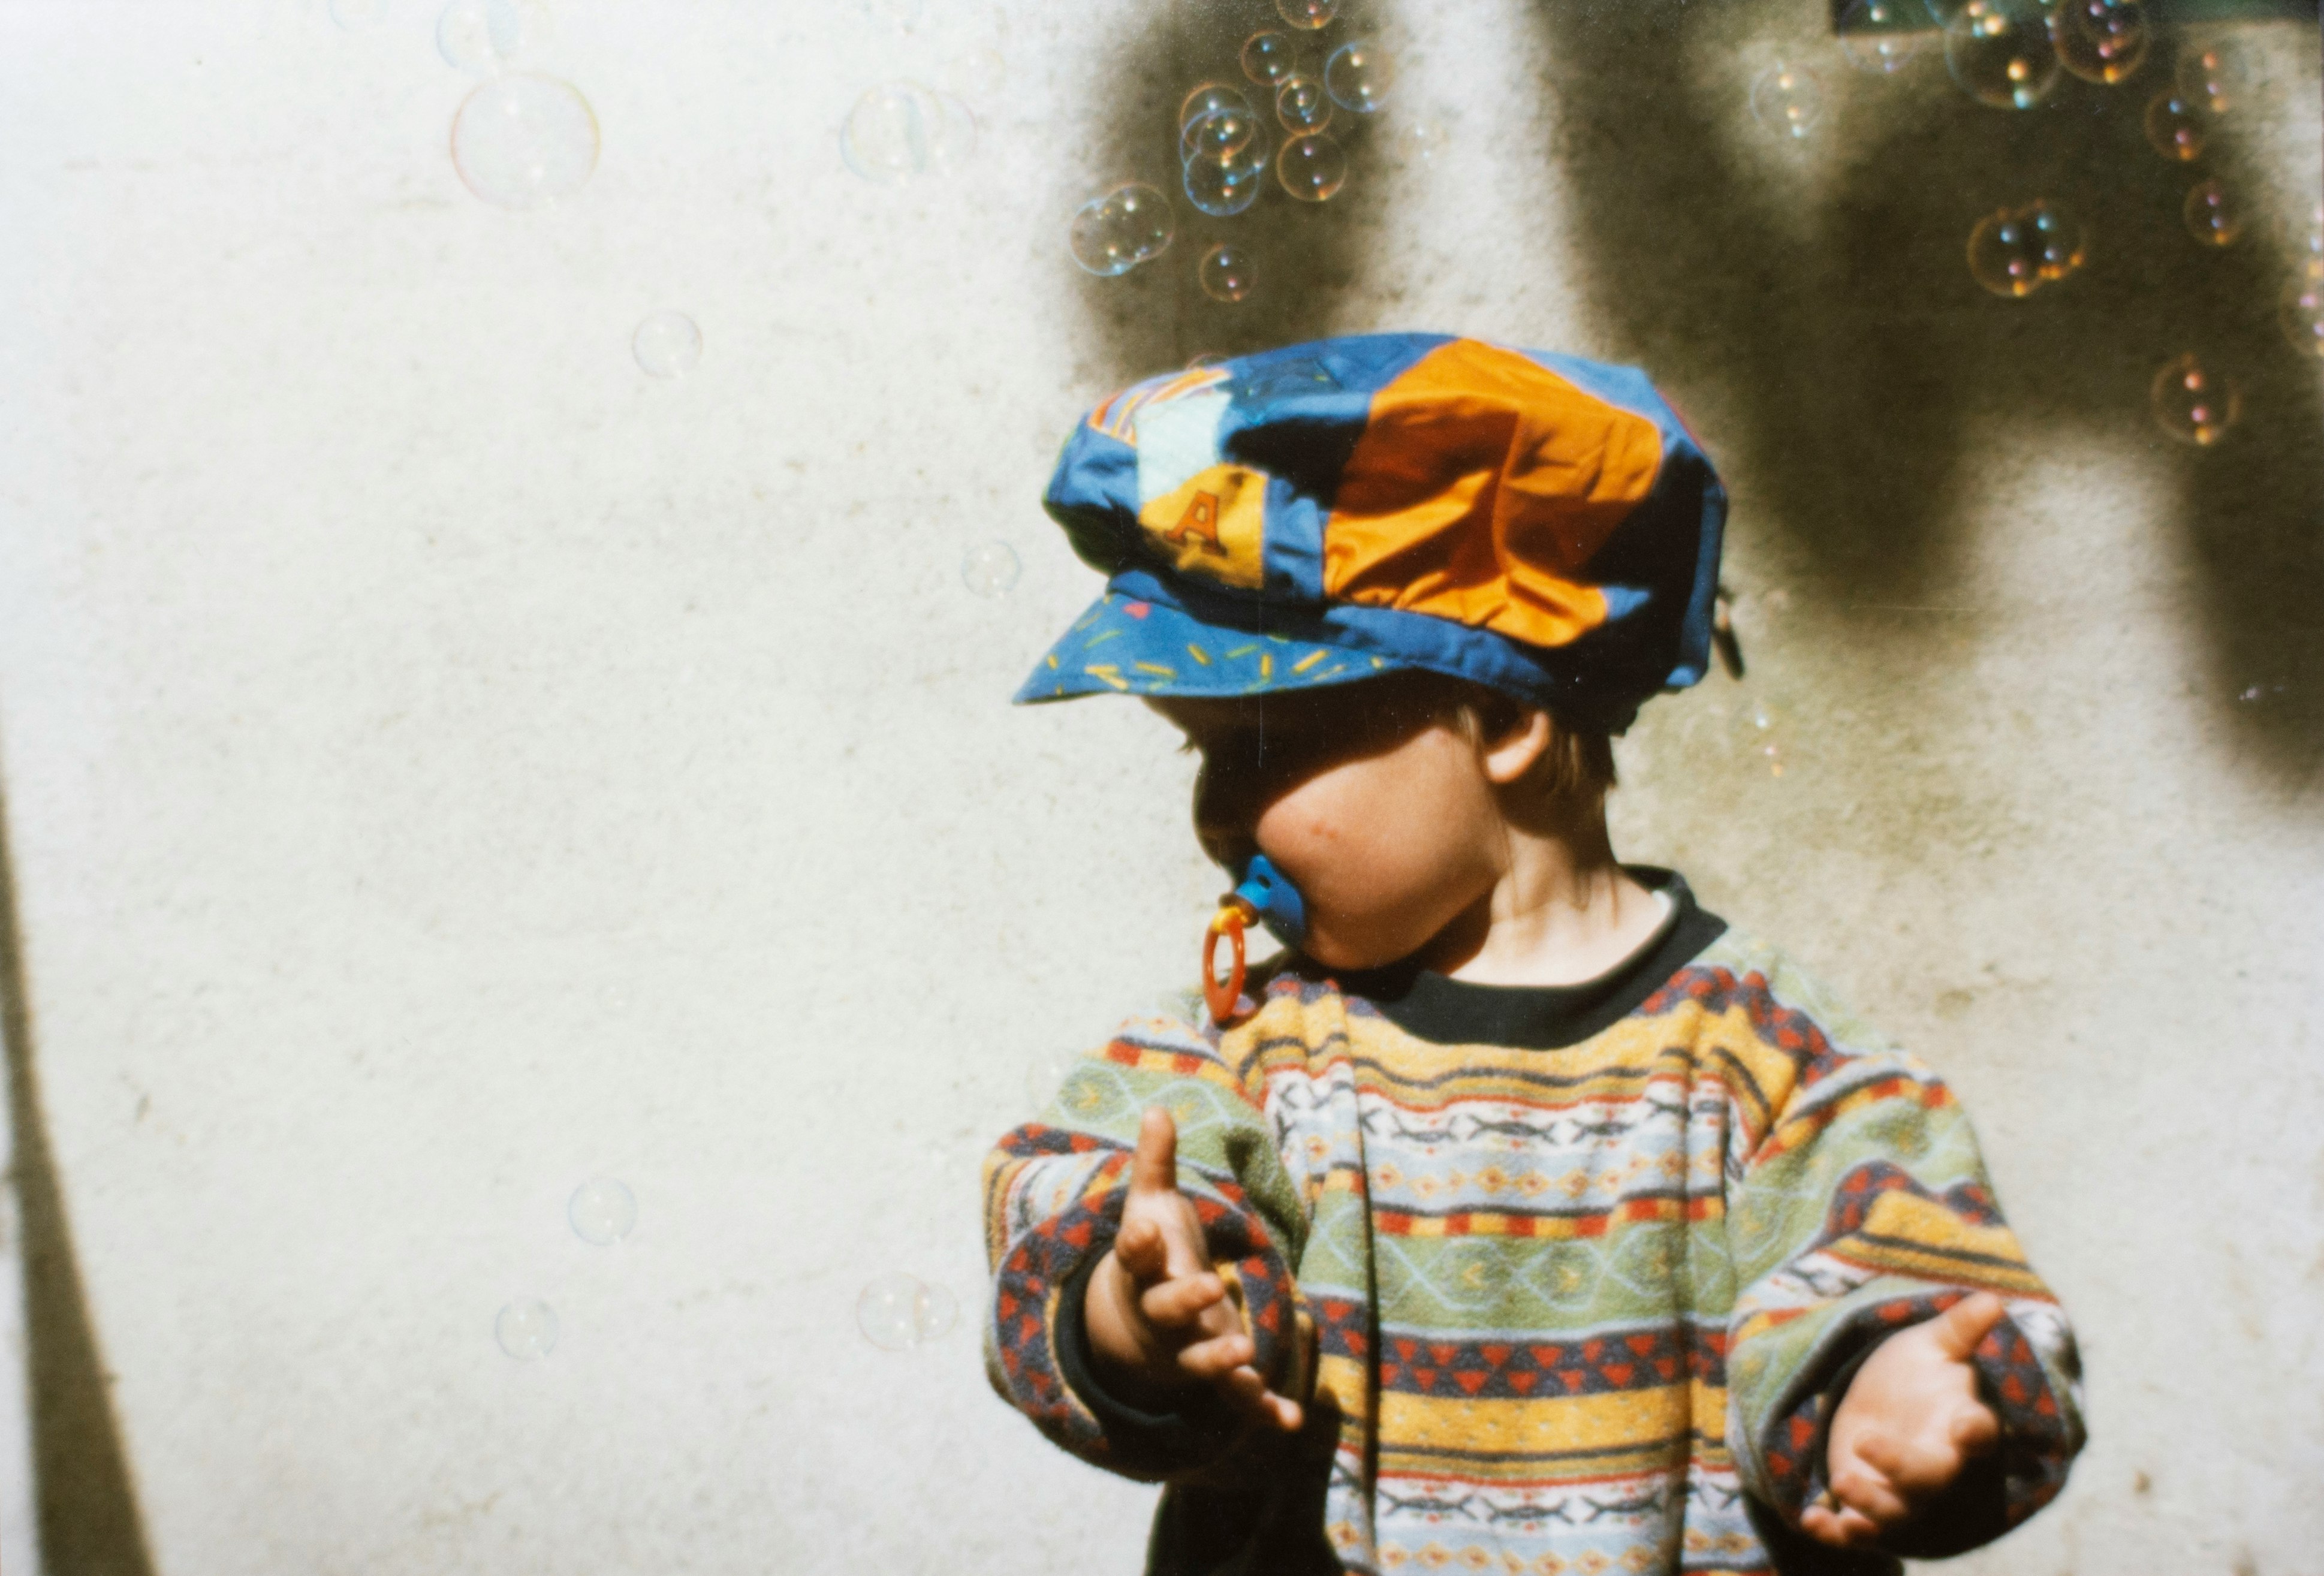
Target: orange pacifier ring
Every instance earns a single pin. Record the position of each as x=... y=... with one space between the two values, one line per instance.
x=1223 y=995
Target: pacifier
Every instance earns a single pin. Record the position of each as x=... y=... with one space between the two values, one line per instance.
x=1262 y=894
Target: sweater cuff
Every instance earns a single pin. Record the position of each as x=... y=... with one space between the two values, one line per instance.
x=1145 y=1442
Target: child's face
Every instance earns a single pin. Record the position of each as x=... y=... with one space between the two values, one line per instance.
x=1369 y=797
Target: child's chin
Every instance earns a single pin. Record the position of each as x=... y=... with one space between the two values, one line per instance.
x=1342 y=952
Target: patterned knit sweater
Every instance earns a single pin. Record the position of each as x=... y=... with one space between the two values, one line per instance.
x=1576 y=1276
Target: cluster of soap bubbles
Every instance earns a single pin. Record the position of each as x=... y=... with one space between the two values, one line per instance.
x=601 y=1212
x=900 y=132
x=899 y=1312
x=1113 y=232
x=1226 y=148
x=2015 y=252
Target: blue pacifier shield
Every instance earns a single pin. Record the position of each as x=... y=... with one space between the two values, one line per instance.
x=1276 y=900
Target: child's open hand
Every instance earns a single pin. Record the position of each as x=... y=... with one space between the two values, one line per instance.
x=1158 y=1319
x=1910 y=1422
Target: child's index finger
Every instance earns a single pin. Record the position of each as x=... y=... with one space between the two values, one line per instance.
x=1154 y=1166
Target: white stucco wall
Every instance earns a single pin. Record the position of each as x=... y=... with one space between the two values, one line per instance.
x=444 y=764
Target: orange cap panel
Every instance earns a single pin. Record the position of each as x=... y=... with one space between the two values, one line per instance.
x=1481 y=485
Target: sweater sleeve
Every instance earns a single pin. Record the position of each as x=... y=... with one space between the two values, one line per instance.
x=1858 y=1205
x=1052 y=1197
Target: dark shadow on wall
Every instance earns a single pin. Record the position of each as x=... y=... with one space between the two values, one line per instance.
x=1157 y=316
x=89 y=1523
x=1861 y=375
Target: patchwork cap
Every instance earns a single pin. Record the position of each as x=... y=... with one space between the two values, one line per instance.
x=1323 y=513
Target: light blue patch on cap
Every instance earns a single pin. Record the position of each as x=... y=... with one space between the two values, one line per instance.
x=1177 y=440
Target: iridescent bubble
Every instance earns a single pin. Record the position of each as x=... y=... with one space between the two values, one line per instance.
x=2216 y=78
x=2000 y=53
x=2214 y=215
x=526 y=1329
x=1788 y=99
x=1421 y=142
x=1226 y=274
x=2302 y=311
x=1114 y=233
x=2100 y=41
x=975 y=74
x=1878 y=36
x=1307 y=15
x=1359 y=77
x=901 y=131
x=521 y=140
x=1303 y=105
x=2195 y=402
x=2015 y=252
x=477 y=36
x=1210 y=98
x=667 y=345
x=2174 y=129
x=1267 y=58
x=1223 y=188
x=1220 y=134
x=990 y=568
x=358 y=15
x=1312 y=168
x=602 y=1212
x=899 y=1312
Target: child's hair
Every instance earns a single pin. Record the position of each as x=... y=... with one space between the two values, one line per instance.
x=1579 y=764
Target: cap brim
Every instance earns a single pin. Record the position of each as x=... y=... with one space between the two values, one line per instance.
x=1134 y=645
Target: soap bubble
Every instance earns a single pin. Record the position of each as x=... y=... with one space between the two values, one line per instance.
x=521 y=140
x=2215 y=215
x=2000 y=53
x=2015 y=252
x=1307 y=15
x=2174 y=128
x=1360 y=76
x=1220 y=134
x=1226 y=274
x=978 y=73
x=2195 y=402
x=667 y=345
x=1876 y=35
x=1046 y=1072
x=1267 y=58
x=1114 y=233
x=2100 y=41
x=602 y=1212
x=477 y=36
x=526 y=1329
x=1313 y=167
x=1302 y=105
x=899 y=131
x=2302 y=312
x=990 y=568
x=1788 y=99
x=2216 y=78
x=1223 y=188
x=359 y=15
x=1423 y=141
x=1209 y=99
x=899 y=1312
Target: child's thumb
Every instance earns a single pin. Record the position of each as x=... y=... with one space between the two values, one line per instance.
x=1154 y=1168
x=1961 y=1327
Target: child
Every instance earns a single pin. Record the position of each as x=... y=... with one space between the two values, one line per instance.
x=1523 y=1217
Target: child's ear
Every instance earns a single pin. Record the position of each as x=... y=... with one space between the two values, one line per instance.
x=1513 y=743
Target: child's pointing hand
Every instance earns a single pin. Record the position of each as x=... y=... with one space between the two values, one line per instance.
x=1910 y=1423
x=1158 y=1319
